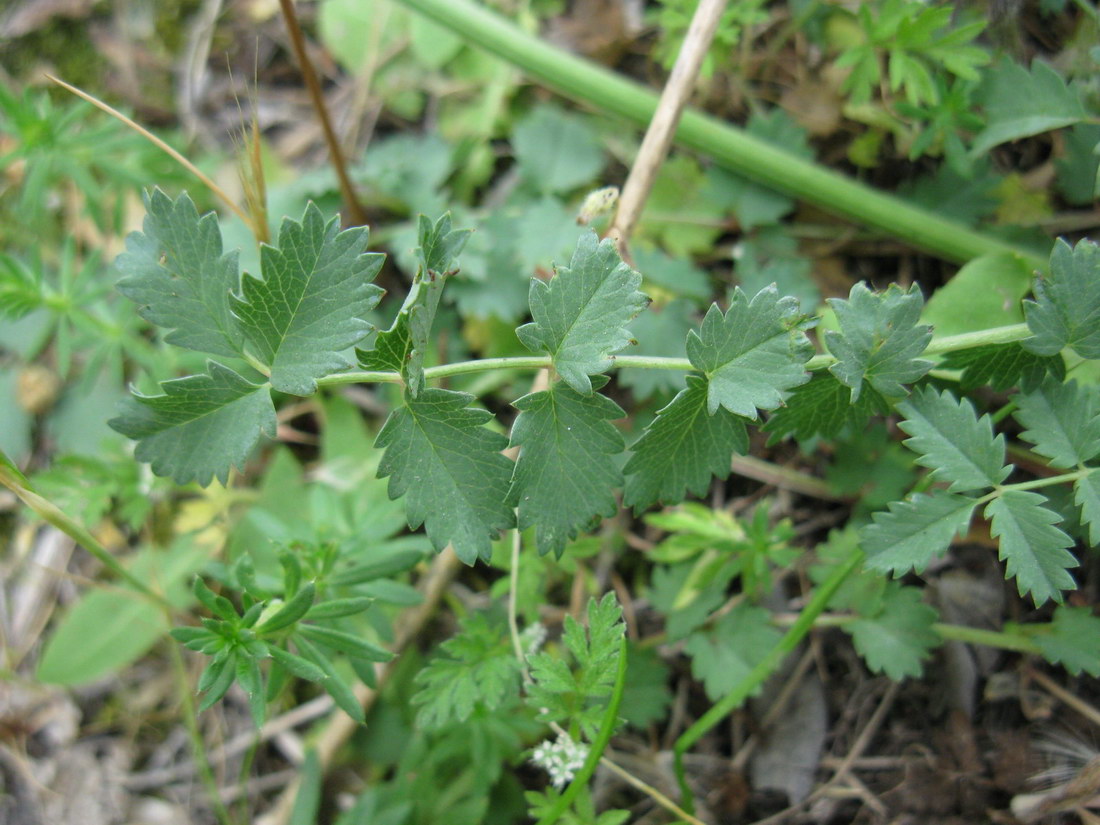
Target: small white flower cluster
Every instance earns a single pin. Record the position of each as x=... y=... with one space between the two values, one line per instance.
x=532 y=639
x=561 y=759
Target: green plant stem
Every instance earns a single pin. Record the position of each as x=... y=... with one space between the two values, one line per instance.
x=733 y=148
x=52 y=514
x=999 y=639
x=937 y=346
x=756 y=677
x=1037 y=483
x=607 y=728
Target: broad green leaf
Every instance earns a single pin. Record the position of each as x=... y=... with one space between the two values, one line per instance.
x=1086 y=493
x=312 y=301
x=1067 y=310
x=958 y=446
x=985 y=293
x=200 y=427
x=913 y=531
x=898 y=639
x=646 y=697
x=566 y=473
x=557 y=151
x=1020 y=103
x=822 y=406
x=753 y=354
x=1031 y=545
x=1072 y=640
x=723 y=656
x=580 y=316
x=1003 y=367
x=1062 y=421
x=449 y=466
x=176 y=273
x=880 y=340
x=110 y=627
x=682 y=449
x=476 y=666
x=1078 y=179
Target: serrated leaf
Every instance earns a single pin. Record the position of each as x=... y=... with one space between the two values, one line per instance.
x=312 y=301
x=896 y=640
x=753 y=354
x=439 y=244
x=682 y=449
x=724 y=655
x=1062 y=421
x=1086 y=493
x=1067 y=310
x=985 y=293
x=1072 y=640
x=958 y=446
x=565 y=475
x=880 y=339
x=474 y=667
x=1020 y=103
x=556 y=150
x=580 y=316
x=1003 y=366
x=911 y=532
x=822 y=406
x=449 y=466
x=176 y=273
x=1033 y=548
x=201 y=426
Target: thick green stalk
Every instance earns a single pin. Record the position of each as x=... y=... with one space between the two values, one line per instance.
x=731 y=147
x=756 y=677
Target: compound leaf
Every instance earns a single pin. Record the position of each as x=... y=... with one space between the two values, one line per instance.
x=913 y=531
x=1072 y=640
x=311 y=302
x=565 y=474
x=958 y=446
x=174 y=270
x=822 y=406
x=1067 y=310
x=682 y=449
x=1034 y=549
x=1020 y=103
x=1086 y=492
x=880 y=339
x=1003 y=366
x=1062 y=422
x=580 y=316
x=450 y=468
x=896 y=640
x=200 y=427
x=724 y=655
x=474 y=667
x=753 y=353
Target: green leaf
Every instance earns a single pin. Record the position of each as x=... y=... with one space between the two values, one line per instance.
x=312 y=301
x=1020 y=103
x=1086 y=492
x=898 y=639
x=1062 y=421
x=344 y=642
x=985 y=293
x=1067 y=310
x=476 y=667
x=580 y=315
x=556 y=150
x=753 y=354
x=913 y=531
x=647 y=697
x=662 y=332
x=880 y=339
x=1003 y=367
x=682 y=449
x=302 y=668
x=723 y=656
x=109 y=627
x=1034 y=549
x=251 y=681
x=823 y=406
x=291 y=611
x=567 y=695
x=1078 y=180
x=1072 y=640
x=958 y=446
x=333 y=683
x=565 y=475
x=174 y=270
x=200 y=427
x=449 y=466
